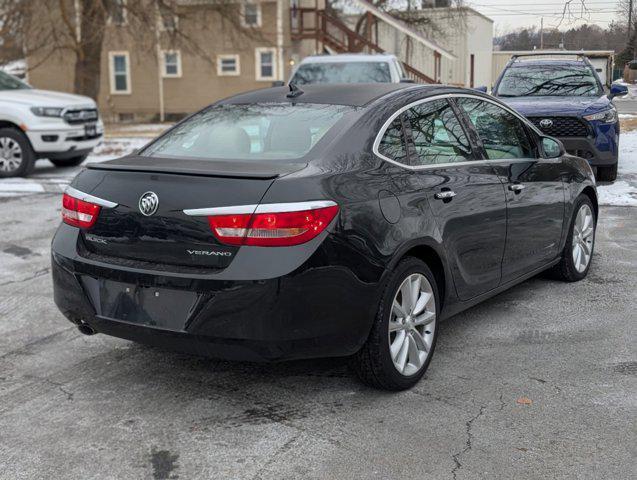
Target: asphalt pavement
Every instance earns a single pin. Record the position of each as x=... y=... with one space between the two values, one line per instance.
x=538 y=382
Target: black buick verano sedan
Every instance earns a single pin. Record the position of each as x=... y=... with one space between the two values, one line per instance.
x=338 y=220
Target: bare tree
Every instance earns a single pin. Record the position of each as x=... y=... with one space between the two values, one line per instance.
x=47 y=27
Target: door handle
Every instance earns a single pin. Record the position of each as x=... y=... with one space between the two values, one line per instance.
x=445 y=195
x=516 y=187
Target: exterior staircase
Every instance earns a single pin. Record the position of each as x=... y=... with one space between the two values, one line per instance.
x=337 y=37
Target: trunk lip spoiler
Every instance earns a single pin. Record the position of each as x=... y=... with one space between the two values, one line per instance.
x=260 y=208
x=87 y=197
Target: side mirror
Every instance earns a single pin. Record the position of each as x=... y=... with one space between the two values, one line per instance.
x=617 y=90
x=482 y=89
x=552 y=147
x=407 y=80
x=278 y=83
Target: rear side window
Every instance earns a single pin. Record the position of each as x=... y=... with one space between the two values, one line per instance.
x=392 y=145
x=249 y=132
x=502 y=133
x=437 y=135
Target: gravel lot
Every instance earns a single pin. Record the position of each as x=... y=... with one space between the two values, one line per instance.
x=538 y=382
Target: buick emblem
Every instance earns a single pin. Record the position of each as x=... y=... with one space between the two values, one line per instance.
x=148 y=203
x=546 y=123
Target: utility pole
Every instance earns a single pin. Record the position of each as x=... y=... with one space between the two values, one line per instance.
x=542 y=32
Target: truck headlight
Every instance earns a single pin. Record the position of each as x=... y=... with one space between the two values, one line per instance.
x=47 y=111
x=607 y=116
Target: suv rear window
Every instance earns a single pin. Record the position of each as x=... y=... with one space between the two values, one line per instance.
x=342 y=72
x=249 y=132
x=548 y=80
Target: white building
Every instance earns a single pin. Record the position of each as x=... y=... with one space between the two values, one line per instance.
x=466 y=35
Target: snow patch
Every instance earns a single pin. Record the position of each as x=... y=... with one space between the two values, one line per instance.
x=624 y=191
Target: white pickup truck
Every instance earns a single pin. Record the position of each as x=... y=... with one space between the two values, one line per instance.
x=38 y=124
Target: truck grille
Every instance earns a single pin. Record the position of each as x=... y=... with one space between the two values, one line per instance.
x=562 y=126
x=80 y=115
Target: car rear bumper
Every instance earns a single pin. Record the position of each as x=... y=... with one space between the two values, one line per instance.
x=318 y=310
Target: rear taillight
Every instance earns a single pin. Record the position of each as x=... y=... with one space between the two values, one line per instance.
x=271 y=229
x=79 y=213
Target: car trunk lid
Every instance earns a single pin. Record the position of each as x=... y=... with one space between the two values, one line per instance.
x=169 y=236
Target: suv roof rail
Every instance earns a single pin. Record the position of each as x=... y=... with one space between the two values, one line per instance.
x=550 y=53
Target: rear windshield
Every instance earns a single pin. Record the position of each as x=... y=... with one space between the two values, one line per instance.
x=249 y=132
x=548 y=80
x=340 y=72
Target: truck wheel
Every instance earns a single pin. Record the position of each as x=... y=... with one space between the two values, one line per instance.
x=607 y=174
x=16 y=155
x=69 y=162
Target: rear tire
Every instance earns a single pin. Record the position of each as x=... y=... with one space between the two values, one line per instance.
x=69 y=162
x=607 y=174
x=16 y=155
x=581 y=238
x=400 y=346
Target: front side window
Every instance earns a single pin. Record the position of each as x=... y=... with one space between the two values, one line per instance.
x=228 y=65
x=392 y=145
x=258 y=132
x=265 y=63
x=172 y=64
x=502 y=133
x=548 y=80
x=437 y=135
x=120 y=73
x=342 y=72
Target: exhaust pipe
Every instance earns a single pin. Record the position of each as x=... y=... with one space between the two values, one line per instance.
x=86 y=329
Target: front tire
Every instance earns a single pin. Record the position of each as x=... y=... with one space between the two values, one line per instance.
x=16 y=155
x=578 y=250
x=403 y=337
x=69 y=162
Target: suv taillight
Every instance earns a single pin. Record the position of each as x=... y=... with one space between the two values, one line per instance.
x=79 y=213
x=272 y=229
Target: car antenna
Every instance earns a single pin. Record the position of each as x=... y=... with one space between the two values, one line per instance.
x=294 y=91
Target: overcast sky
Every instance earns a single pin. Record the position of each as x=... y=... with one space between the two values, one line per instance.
x=512 y=14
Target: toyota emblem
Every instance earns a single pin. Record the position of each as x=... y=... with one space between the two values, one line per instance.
x=546 y=123
x=148 y=203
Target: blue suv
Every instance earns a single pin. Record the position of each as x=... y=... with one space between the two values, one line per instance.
x=564 y=98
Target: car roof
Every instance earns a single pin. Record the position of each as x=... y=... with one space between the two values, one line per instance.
x=349 y=57
x=352 y=94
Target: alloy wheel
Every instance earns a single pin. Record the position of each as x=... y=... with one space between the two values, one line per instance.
x=411 y=324
x=10 y=154
x=583 y=238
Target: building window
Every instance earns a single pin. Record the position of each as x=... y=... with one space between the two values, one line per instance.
x=117 y=14
x=169 y=20
x=171 y=63
x=265 y=63
x=228 y=65
x=251 y=14
x=120 y=72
